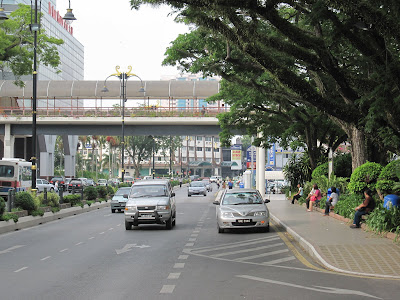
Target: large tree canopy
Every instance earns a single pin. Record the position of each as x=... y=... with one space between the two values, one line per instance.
x=340 y=57
x=16 y=44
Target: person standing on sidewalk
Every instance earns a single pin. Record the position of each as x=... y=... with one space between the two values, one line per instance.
x=364 y=208
x=333 y=199
x=230 y=184
x=180 y=181
x=314 y=197
x=298 y=194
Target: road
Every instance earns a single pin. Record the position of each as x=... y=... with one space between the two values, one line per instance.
x=92 y=256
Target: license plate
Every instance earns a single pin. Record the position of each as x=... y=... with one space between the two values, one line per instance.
x=146 y=216
x=243 y=221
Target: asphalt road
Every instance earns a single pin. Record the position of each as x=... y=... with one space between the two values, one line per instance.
x=92 y=256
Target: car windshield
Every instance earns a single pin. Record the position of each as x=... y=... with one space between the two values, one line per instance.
x=197 y=184
x=241 y=199
x=148 y=191
x=122 y=191
x=75 y=182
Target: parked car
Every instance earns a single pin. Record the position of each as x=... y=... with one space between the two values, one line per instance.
x=90 y=182
x=208 y=184
x=150 y=202
x=76 y=185
x=41 y=184
x=242 y=208
x=61 y=181
x=102 y=182
x=84 y=181
x=118 y=201
x=197 y=188
x=129 y=179
x=114 y=181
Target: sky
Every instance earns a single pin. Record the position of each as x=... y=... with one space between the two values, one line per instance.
x=113 y=34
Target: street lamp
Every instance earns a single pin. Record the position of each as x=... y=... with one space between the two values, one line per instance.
x=123 y=78
x=3 y=15
x=35 y=27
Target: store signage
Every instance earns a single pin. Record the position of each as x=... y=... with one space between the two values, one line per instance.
x=56 y=16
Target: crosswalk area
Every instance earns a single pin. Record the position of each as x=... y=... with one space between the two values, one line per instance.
x=269 y=250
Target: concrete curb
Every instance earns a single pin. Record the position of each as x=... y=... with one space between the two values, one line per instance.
x=29 y=221
x=310 y=249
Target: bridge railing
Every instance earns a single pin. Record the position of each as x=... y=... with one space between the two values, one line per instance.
x=147 y=111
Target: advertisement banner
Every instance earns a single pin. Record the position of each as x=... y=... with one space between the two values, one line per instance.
x=271 y=156
x=236 y=157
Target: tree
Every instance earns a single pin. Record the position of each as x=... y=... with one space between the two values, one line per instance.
x=16 y=45
x=338 y=56
x=139 y=148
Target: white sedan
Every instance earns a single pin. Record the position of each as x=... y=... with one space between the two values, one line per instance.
x=41 y=184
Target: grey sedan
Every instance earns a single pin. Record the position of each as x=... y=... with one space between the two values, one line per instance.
x=197 y=188
x=118 y=201
x=242 y=208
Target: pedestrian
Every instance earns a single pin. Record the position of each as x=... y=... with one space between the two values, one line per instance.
x=180 y=181
x=224 y=184
x=203 y=110
x=56 y=186
x=230 y=184
x=364 y=208
x=218 y=183
x=298 y=194
x=316 y=196
x=333 y=199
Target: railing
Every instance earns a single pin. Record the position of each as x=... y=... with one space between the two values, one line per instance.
x=152 y=111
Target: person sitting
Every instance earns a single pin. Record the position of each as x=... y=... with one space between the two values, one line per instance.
x=315 y=197
x=331 y=202
x=364 y=208
x=298 y=194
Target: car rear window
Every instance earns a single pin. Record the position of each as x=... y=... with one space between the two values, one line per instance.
x=156 y=190
x=197 y=184
x=241 y=198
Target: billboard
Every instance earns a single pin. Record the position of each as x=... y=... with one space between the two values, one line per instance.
x=271 y=156
x=251 y=150
x=236 y=157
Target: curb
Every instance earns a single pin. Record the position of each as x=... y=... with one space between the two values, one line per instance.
x=29 y=221
x=310 y=249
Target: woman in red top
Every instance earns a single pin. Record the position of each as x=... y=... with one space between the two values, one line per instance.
x=316 y=196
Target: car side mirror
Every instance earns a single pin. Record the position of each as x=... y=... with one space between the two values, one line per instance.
x=172 y=194
x=216 y=202
x=126 y=196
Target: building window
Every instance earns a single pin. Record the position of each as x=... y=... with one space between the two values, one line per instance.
x=216 y=140
x=199 y=138
x=159 y=158
x=208 y=138
x=199 y=148
x=191 y=148
x=286 y=155
x=216 y=149
x=183 y=158
x=208 y=149
x=217 y=160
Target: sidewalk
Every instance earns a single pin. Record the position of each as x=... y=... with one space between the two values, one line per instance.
x=334 y=244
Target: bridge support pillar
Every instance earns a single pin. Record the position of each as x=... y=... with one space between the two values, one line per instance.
x=9 y=141
x=46 y=145
x=70 y=143
x=260 y=168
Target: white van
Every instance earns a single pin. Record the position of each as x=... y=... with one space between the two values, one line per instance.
x=215 y=178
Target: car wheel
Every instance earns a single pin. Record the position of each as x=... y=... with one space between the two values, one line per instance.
x=128 y=225
x=220 y=230
x=174 y=221
x=189 y=195
x=168 y=224
x=52 y=190
x=112 y=210
x=205 y=194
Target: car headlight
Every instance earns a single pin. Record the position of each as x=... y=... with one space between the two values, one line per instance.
x=162 y=207
x=131 y=207
x=260 y=214
x=227 y=215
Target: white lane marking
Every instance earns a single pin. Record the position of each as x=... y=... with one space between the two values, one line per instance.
x=63 y=250
x=192 y=239
x=91 y=238
x=189 y=245
x=108 y=215
x=174 y=275
x=322 y=289
x=262 y=255
x=196 y=231
x=77 y=244
x=19 y=270
x=234 y=245
x=280 y=260
x=183 y=256
x=126 y=248
x=167 y=289
x=11 y=249
x=111 y=228
x=44 y=258
x=194 y=234
x=179 y=265
x=247 y=250
x=118 y=225
x=102 y=232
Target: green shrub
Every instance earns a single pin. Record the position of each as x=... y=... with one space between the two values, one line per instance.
x=347 y=203
x=102 y=200
x=382 y=219
x=73 y=199
x=110 y=190
x=388 y=177
x=365 y=176
x=25 y=201
x=174 y=183
x=55 y=209
x=9 y=216
x=125 y=185
x=297 y=170
x=338 y=182
x=321 y=170
x=342 y=165
x=90 y=193
x=101 y=191
x=2 y=206
x=89 y=202
x=38 y=212
x=53 y=199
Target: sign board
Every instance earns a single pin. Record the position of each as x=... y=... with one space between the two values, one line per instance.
x=271 y=156
x=251 y=150
x=236 y=157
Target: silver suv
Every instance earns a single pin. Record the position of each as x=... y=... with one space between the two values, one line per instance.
x=150 y=202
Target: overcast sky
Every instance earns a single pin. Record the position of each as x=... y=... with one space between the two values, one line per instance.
x=113 y=34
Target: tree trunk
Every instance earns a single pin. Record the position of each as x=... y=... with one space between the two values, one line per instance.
x=358 y=149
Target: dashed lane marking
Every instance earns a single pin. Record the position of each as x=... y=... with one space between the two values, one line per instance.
x=19 y=270
x=80 y=243
x=192 y=239
x=183 y=257
x=63 y=250
x=45 y=258
x=167 y=289
x=179 y=265
x=174 y=275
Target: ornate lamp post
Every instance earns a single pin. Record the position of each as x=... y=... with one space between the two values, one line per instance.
x=35 y=27
x=123 y=78
x=3 y=15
